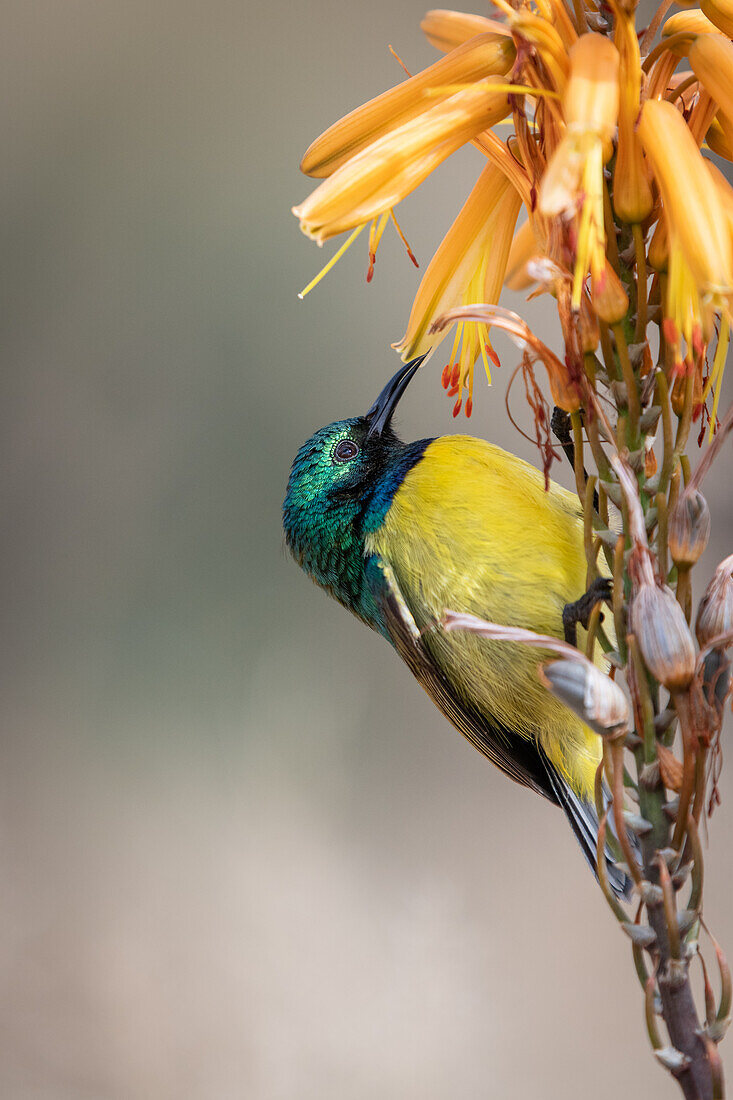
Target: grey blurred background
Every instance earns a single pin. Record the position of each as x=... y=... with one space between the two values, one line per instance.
x=242 y=856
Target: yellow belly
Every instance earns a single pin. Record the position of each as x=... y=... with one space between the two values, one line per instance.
x=471 y=528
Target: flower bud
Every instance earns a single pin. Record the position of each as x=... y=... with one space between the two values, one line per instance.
x=589 y=693
x=711 y=58
x=659 y=246
x=664 y=637
x=719 y=12
x=689 y=527
x=720 y=136
x=610 y=300
x=632 y=193
x=591 y=98
x=524 y=248
x=692 y=206
x=679 y=390
x=587 y=322
x=691 y=22
x=715 y=613
x=447 y=29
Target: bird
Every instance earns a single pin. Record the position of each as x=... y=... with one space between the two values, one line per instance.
x=400 y=532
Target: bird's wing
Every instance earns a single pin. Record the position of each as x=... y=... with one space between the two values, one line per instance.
x=523 y=761
x=517 y=757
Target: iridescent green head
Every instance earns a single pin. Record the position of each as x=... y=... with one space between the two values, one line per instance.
x=340 y=486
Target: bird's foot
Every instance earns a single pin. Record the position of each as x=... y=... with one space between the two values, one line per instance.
x=580 y=611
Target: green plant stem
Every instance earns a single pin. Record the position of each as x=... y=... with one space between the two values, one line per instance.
x=662 y=399
x=641 y=281
x=662 y=557
x=685 y=421
x=632 y=392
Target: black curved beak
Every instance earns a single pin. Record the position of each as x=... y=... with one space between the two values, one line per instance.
x=383 y=408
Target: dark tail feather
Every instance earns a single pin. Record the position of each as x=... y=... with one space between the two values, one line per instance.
x=584 y=822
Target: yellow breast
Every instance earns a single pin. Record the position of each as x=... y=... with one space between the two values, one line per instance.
x=471 y=528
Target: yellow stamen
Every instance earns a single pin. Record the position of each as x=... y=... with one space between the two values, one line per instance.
x=456 y=343
x=332 y=262
x=375 y=236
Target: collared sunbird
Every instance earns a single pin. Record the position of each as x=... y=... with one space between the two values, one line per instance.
x=400 y=532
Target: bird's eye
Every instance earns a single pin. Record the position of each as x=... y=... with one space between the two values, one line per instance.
x=345 y=450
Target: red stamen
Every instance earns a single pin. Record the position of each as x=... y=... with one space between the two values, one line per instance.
x=456 y=374
x=370 y=269
x=670 y=331
x=469 y=406
x=492 y=355
x=698 y=345
x=453 y=390
x=403 y=238
x=399 y=60
x=445 y=376
x=457 y=406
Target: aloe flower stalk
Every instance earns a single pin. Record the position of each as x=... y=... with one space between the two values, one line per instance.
x=606 y=194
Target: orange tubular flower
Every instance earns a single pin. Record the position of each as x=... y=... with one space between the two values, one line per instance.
x=711 y=58
x=545 y=38
x=378 y=177
x=720 y=136
x=483 y=56
x=469 y=266
x=700 y=247
x=685 y=26
x=632 y=193
x=523 y=251
x=580 y=102
x=719 y=12
x=447 y=29
x=573 y=182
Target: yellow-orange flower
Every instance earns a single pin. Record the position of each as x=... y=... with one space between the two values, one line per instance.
x=524 y=250
x=720 y=136
x=719 y=12
x=685 y=26
x=711 y=58
x=447 y=29
x=378 y=177
x=469 y=266
x=700 y=276
x=694 y=213
x=573 y=182
x=580 y=102
x=632 y=193
x=483 y=56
